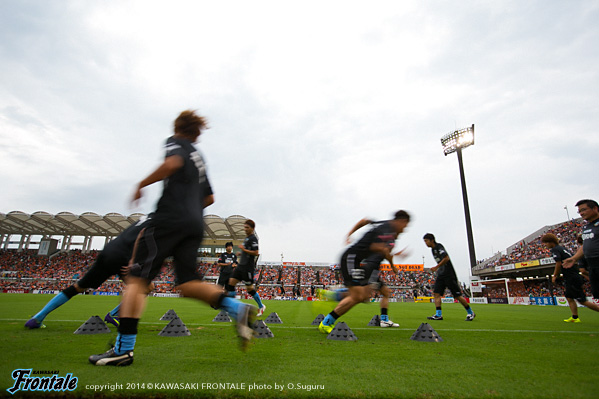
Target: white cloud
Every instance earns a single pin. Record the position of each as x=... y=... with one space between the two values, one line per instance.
x=321 y=113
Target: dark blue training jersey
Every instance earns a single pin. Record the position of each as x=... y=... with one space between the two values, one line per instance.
x=182 y=200
x=439 y=253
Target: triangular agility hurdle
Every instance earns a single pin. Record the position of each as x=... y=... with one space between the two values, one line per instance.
x=262 y=330
x=342 y=332
x=425 y=333
x=176 y=328
x=94 y=325
x=273 y=318
x=317 y=320
x=170 y=315
x=222 y=317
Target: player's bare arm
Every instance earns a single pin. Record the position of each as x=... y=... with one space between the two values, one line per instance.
x=443 y=261
x=167 y=168
x=556 y=272
x=568 y=263
x=208 y=200
x=358 y=226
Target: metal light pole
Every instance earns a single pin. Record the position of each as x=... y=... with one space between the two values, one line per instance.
x=454 y=142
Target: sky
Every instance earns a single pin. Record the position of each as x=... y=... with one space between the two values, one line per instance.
x=321 y=113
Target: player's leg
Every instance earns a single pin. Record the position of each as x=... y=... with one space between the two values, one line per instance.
x=251 y=290
x=456 y=291
x=438 y=290
x=593 y=271
x=235 y=278
x=191 y=286
x=590 y=305
x=57 y=301
x=574 y=310
x=100 y=271
x=153 y=246
x=575 y=292
x=355 y=282
x=357 y=294
x=386 y=293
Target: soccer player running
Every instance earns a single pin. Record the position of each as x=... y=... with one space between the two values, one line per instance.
x=112 y=260
x=446 y=278
x=357 y=274
x=572 y=278
x=176 y=229
x=588 y=209
x=226 y=262
x=371 y=263
x=247 y=264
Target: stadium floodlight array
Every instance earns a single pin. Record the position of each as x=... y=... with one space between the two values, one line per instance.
x=461 y=138
x=454 y=142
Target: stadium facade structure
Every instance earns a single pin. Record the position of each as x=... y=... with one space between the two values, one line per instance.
x=23 y=231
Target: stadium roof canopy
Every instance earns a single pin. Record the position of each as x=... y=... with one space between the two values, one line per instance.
x=90 y=224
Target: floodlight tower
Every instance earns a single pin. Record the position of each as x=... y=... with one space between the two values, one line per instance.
x=454 y=142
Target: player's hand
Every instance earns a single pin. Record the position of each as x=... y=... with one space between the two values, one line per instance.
x=358 y=274
x=434 y=269
x=136 y=196
x=553 y=279
x=404 y=253
x=568 y=263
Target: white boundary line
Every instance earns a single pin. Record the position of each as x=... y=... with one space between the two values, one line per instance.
x=354 y=328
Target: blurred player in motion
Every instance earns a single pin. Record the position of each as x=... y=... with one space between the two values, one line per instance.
x=176 y=229
x=112 y=260
x=371 y=263
x=573 y=281
x=446 y=278
x=356 y=273
x=246 y=268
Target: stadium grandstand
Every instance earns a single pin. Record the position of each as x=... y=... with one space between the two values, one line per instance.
x=66 y=231
x=522 y=274
x=27 y=265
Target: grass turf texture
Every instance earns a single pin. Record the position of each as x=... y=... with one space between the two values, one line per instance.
x=508 y=351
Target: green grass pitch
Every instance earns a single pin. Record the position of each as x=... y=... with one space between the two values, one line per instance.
x=507 y=352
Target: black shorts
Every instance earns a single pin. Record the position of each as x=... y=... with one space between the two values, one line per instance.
x=574 y=289
x=223 y=279
x=351 y=261
x=593 y=269
x=112 y=259
x=246 y=276
x=108 y=263
x=158 y=242
x=447 y=282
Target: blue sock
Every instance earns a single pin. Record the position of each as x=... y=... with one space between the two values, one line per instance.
x=384 y=317
x=231 y=294
x=438 y=313
x=329 y=320
x=257 y=299
x=124 y=343
x=469 y=310
x=54 y=303
x=231 y=305
x=115 y=312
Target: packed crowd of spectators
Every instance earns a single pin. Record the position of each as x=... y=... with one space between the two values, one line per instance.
x=26 y=270
x=566 y=232
x=529 y=288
